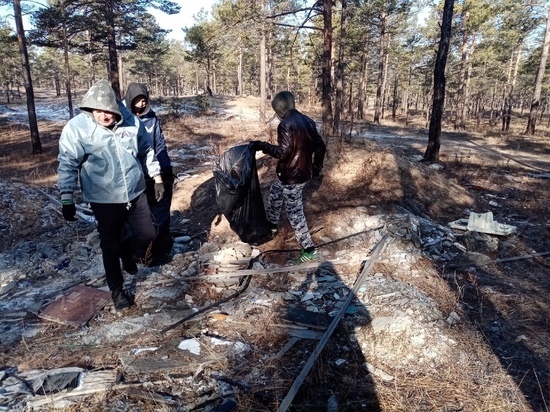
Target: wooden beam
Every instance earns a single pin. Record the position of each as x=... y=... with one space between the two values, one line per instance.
x=269 y=271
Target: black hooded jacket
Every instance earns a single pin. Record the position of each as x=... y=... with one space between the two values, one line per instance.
x=152 y=125
x=300 y=150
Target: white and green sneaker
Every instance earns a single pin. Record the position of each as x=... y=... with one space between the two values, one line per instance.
x=307 y=256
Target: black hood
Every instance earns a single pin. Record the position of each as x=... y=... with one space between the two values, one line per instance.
x=135 y=90
x=282 y=103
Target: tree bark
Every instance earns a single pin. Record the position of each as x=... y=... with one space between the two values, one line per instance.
x=395 y=93
x=406 y=96
x=33 y=123
x=438 y=105
x=339 y=98
x=535 y=103
x=270 y=80
x=240 y=73
x=381 y=65
x=67 y=66
x=111 y=46
x=459 y=119
x=507 y=118
x=262 y=77
x=362 y=92
x=327 y=66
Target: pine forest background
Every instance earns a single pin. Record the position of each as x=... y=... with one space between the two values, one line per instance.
x=382 y=54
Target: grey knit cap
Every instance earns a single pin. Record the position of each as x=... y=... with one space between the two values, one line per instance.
x=101 y=96
x=283 y=102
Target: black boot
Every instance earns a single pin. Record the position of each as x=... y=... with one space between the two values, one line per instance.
x=130 y=266
x=121 y=299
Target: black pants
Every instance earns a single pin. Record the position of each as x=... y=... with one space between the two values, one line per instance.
x=111 y=217
x=163 y=243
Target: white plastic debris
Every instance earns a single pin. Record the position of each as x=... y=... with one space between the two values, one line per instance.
x=190 y=345
x=483 y=223
x=137 y=351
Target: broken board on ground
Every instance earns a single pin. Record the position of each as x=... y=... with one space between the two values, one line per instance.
x=77 y=306
x=307 y=318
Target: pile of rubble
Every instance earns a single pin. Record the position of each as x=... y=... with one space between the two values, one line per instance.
x=218 y=320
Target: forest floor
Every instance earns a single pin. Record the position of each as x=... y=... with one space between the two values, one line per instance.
x=445 y=319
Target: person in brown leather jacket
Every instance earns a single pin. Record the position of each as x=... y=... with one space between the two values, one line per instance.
x=300 y=152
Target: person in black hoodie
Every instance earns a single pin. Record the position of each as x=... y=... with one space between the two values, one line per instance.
x=137 y=100
x=300 y=152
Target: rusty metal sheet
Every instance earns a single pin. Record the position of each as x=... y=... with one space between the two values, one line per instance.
x=77 y=306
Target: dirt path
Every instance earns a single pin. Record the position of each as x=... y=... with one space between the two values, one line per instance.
x=528 y=153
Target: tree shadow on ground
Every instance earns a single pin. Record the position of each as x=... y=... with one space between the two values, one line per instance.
x=506 y=333
x=477 y=287
x=339 y=378
x=336 y=377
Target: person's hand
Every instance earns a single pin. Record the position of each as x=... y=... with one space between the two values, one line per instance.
x=159 y=191
x=255 y=145
x=69 y=210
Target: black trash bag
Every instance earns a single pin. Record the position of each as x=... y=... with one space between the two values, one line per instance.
x=239 y=196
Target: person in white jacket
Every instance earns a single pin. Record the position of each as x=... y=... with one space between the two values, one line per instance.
x=106 y=148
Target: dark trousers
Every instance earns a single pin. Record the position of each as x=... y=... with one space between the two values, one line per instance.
x=111 y=217
x=162 y=245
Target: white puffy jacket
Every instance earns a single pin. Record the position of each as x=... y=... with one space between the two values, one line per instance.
x=110 y=161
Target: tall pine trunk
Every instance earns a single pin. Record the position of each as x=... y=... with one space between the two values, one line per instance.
x=381 y=66
x=327 y=67
x=112 y=52
x=507 y=117
x=262 y=77
x=339 y=98
x=67 y=66
x=461 y=98
x=535 y=102
x=240 y=73
x=33 y=123
x=438 y=105
x=362 y=93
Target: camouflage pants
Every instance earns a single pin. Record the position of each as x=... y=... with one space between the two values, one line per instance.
x=291 y=195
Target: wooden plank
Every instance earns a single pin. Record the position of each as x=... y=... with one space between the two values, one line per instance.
x=268 y=271
x=299 y=333
x=285 y=348
x=77 y=306
x=132 y=364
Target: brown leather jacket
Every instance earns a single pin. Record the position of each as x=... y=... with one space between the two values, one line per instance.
x=300 y=149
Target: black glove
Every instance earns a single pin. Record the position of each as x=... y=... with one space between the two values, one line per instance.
x=159 y=191
x=69 y=211
x=256 y=145
x=167 y=173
